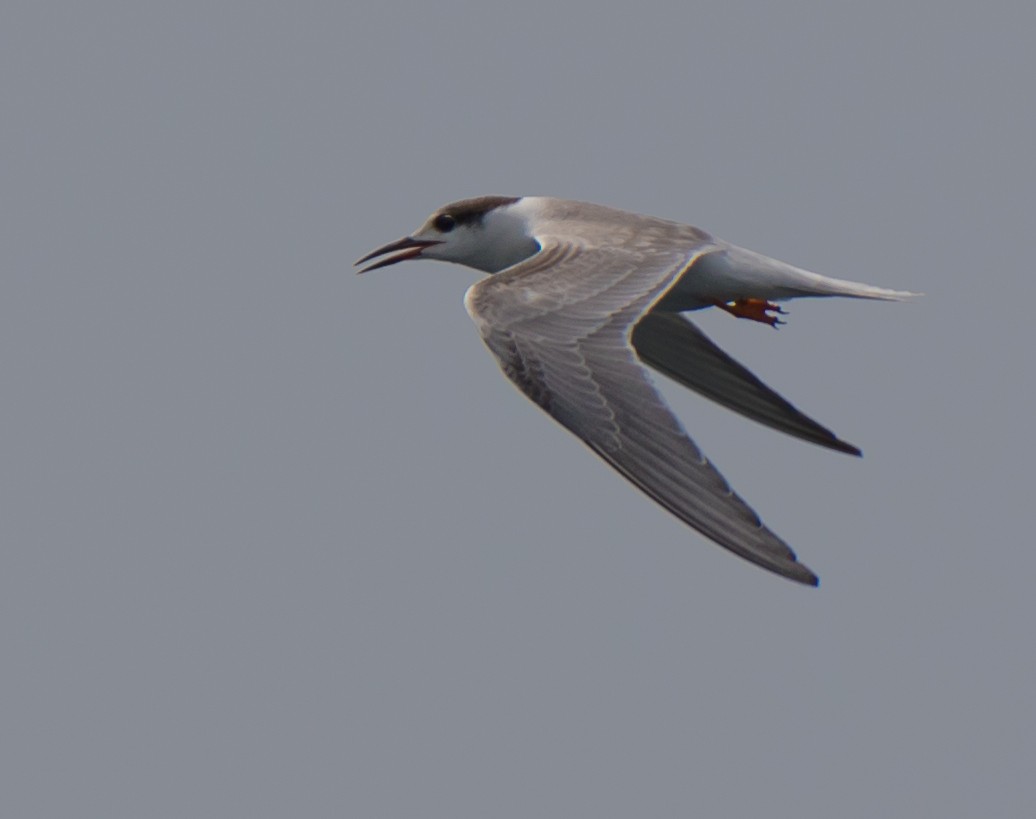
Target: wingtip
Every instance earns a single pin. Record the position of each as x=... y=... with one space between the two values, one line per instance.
x=804 y=576
x=793 y=570
x=849 y=449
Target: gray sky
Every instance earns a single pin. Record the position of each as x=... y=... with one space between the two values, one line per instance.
x=281 y=541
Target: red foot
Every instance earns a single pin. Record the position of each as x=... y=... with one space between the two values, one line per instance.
x=754 y=309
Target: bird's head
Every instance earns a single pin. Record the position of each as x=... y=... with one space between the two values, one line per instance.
x=488 y=233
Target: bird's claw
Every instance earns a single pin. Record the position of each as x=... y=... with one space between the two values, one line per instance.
x=754 y=309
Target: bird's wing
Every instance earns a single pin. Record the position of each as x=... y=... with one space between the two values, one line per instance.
x=560 y=324
x=673 y=345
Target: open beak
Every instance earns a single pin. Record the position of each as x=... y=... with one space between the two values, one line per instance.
x=408 y=249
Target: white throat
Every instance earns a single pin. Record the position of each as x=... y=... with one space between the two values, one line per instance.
x=503 y=239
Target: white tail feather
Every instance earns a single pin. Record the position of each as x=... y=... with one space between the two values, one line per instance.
x=772 y=279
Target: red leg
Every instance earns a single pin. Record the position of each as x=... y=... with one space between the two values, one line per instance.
x=754 y=309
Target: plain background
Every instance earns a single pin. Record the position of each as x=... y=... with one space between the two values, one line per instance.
x=281 y=541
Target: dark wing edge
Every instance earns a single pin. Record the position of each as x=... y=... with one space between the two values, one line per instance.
x=674 y=346
x=764 y=549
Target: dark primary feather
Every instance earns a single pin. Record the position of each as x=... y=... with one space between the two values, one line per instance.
x=673 y=345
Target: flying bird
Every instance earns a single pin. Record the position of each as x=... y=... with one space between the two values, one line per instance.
x=582 y=296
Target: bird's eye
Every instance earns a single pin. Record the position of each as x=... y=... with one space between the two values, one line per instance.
x=444 y=223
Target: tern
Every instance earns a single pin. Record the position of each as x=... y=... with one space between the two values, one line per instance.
x=581 y=296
